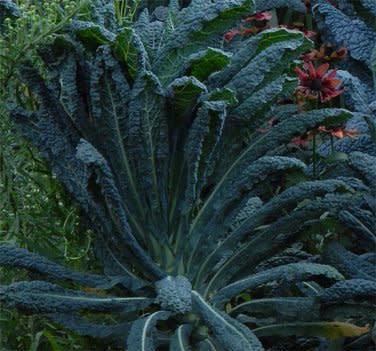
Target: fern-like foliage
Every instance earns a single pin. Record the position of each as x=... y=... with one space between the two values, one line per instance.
x=153 y=130
x=8 y=8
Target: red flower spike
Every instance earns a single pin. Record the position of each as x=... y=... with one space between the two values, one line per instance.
x=318 y=82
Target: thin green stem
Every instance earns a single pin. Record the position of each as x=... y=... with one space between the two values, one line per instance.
x=34 y=43
x=332 y=144
x=314 y=155
x=309 y=22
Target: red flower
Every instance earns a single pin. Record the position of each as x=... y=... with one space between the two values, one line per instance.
x=322 y=129
x=339 y=132
x=259 y=23
x=308 y=56
x=253 y=30
x=308 y=33
x=326 y=53
x=318 y=82
x=261 y=16
x=231 y=34
x=248 y=30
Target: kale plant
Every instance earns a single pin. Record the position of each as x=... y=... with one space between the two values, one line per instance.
x=153 y=130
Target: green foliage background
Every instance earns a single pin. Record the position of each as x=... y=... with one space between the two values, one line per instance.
x=35 y=211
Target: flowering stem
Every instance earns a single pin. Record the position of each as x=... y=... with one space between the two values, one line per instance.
x=314 y=155
x=309 y=21
x=331 y=144
x=342 y=101
x=288 y=16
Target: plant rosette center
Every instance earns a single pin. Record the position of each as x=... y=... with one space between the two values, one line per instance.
x=174 y=294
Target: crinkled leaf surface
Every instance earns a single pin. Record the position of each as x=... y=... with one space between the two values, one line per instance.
x=348 y=32
x=141 y=336
x=263 y=5
x=229 y=333
x=42 y=297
